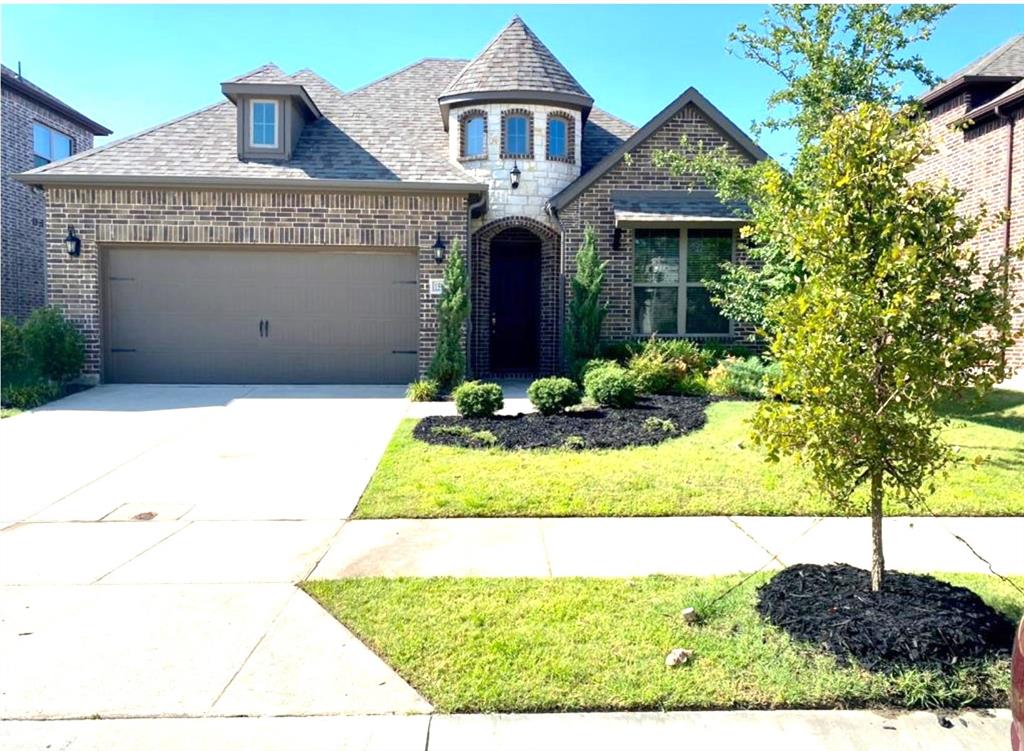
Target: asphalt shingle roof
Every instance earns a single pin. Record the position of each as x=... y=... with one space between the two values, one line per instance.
x=515 y=60
x=1005 y=61
x=694 y=204
x=15 y=81
x=386 y=130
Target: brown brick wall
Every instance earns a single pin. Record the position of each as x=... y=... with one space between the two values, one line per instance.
x=105 y=216
x=594 y=207
x=23 y=231
x=975 y=161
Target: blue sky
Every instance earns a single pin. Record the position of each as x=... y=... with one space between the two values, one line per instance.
x=132 y=67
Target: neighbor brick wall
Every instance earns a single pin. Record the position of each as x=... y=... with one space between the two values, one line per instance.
x=975 y=161
x=164 y=217
x=23 y=212
x=594 y=207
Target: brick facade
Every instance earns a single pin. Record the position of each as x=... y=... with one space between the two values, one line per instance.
x=23 y=211
x=105 y=217
x=975 y=161
x=637 y=172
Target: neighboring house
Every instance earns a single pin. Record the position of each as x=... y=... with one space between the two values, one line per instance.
x=294 y=232
x=977 y=119
x=37 y=128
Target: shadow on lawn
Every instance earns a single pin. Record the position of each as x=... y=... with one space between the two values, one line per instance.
x=991 y=410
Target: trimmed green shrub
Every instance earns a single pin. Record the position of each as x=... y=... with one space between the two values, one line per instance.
x=693 y=385
x=423 y=390
x=582 y=336
x=610 y=385
x=552 y=395
x=29 y=395
x=56 y=347
x=14 y=360
x=476 y=399
x=737 y=377
x=718 y=351
x=448 y=365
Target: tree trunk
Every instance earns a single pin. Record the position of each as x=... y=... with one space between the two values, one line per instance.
x=877 y=559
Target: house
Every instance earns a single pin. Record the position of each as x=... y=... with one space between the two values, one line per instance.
x=294 y=232
x=976 y=117
x=36 y=128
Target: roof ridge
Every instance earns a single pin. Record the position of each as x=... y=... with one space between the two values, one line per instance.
x=254 y=71
x=319 y=78
x=96 y=150
x=401 y=70
x=988 y=58
x=1002 y=50
x=490 y=44
x=616 y=117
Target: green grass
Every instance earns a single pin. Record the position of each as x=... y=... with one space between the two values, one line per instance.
x=531 y=645
x=716 y=470
x=8 y=412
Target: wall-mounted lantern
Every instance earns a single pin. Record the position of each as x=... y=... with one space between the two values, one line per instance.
x=72 y=244
x=514 y=175
x=439 y=249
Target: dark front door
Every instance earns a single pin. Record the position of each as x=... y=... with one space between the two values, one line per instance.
x=515 y=302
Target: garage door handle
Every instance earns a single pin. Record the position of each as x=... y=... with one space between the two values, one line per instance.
x=266 y=329
x=261 y=328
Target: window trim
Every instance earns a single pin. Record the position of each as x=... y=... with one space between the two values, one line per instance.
x=277 y=124
x=464 y=120
x=51 y=131
x=684 y=283
x=570 y=138
x=526 y=115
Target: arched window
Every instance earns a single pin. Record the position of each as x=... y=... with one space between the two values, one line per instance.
x=474 y=136
x=516 y=134
x=561 y=138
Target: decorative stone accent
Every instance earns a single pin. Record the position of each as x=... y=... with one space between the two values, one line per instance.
x=570 y=137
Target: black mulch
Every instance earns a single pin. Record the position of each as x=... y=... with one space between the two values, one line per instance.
x=915 y=621
x=598 y=428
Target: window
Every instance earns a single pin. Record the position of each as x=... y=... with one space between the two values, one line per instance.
x=49 y=145
x=474 y=140
x=517 y=131
x=669 y=270
x=557 y=136
x=264 y=123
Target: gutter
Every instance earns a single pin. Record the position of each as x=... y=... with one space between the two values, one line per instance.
x=1008 y=119
x=246 y=183
x=552 y=212
x=478 y=204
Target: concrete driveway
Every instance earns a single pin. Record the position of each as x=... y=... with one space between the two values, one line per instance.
x=150 y=537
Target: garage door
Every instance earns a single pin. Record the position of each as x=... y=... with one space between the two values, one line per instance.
x=239 y=316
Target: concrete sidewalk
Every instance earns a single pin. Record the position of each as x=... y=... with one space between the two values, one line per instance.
x=651 y=731
x=669 y=545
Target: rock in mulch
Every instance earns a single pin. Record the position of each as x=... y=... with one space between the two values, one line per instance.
x=650 y=421
x=915 y=621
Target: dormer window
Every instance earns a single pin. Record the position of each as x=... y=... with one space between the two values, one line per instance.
x=474 y=135
x=516 y=134
x=264 y=124
x=561 y=138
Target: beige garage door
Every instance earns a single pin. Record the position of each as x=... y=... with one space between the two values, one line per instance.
x=239 y=316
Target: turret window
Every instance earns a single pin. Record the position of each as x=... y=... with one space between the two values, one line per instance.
x=561 y=138
x=516 y=134
x=474 y=135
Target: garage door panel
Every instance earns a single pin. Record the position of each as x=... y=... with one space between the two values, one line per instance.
x=194 y=316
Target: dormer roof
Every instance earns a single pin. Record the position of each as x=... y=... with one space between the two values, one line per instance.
x=1004 y=64
x=269 y=80
x=515 y=67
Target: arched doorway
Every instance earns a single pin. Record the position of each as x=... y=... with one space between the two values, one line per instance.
x=515 y=302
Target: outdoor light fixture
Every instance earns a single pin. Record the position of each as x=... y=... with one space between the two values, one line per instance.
x=439 y=248
x=71 y=243
x=514 y=175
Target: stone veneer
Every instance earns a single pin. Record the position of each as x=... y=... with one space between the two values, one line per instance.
x=594 y=207
x=975 y=161
x=541 y=177
x=106 y=217
x=23 y=211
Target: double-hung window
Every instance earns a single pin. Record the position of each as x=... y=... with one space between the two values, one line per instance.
x=473 y=144
x=264 y=123
x=558 y=148
x=517 y=136
x=670 y=267
x=48 y=145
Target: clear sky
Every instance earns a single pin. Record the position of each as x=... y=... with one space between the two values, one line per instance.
x=132 y=67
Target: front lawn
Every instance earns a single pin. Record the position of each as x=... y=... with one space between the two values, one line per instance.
x=531 y=645
x=715 y=470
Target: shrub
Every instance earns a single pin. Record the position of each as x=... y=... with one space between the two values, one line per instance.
x=657 y=424
x=485 y=437
x=14 y=360
x=582 y=337
x=718 y=351
x=448 y=365
x=610 y=385
x=738 y=377
x=595 y=364
x=574 y=443
x=476 y=399
x=54 y=344
x=693 y=385
x=29 y=395
x=552 y=395
x=423 y=390
x=653 y=373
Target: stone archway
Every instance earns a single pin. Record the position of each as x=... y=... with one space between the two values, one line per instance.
x=525 y=254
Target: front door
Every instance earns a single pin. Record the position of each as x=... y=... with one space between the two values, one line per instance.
x=515 y=304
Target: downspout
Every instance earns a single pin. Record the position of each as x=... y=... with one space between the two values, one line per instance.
x=478 y=204
x=1008 y=119
x=552 y=212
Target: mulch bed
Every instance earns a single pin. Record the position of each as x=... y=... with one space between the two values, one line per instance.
x=598 y=428
x=915 y=621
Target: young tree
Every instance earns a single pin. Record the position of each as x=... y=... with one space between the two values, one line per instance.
x=586 y=311
x=895 y=314
x=448 y=366
x=830 y=59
